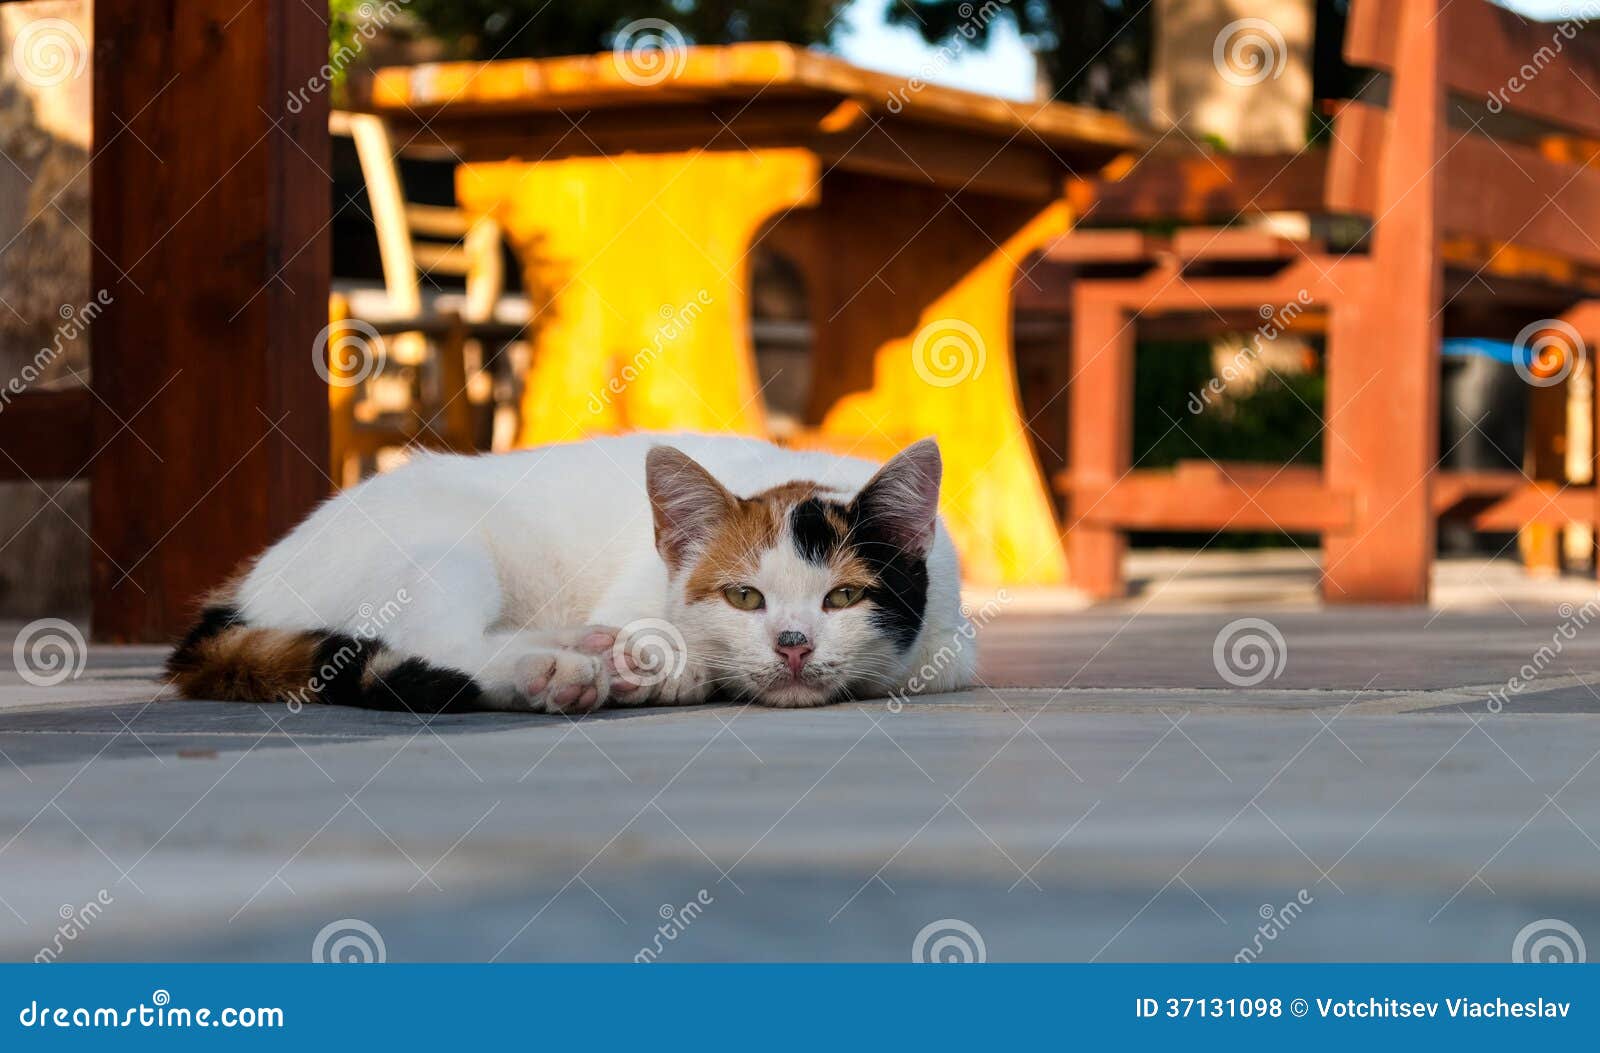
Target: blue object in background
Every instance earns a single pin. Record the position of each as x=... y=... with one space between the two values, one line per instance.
x=1467 y=347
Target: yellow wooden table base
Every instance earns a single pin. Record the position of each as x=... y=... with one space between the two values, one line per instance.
x=908 y=211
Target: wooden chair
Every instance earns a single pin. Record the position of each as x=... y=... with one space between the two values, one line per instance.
x=449 y=401
x=1479 y=220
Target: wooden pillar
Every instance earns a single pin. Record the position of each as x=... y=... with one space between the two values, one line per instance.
x=209 y=216
x=1383 y=399
x=1100 y=444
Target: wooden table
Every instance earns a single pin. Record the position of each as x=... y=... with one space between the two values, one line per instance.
x=634 y=197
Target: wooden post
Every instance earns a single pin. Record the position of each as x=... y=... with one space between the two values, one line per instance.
x=1383 y=397
x=209 y=219
x=1100 y=445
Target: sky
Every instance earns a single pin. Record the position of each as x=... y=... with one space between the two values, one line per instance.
x=1006 y=67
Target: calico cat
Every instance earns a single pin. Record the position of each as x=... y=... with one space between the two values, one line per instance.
x=641 y=569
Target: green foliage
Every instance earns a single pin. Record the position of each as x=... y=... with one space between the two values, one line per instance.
x=537 y=28
x=343 y=18
x=1277 y=423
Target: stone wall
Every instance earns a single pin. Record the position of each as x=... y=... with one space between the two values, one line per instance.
x=44 y=279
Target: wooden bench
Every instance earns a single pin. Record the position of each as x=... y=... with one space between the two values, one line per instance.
x=1480 y=218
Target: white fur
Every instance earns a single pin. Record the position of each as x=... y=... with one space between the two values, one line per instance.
x=490 y=564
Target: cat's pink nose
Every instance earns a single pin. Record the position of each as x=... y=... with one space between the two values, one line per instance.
x=795 y=649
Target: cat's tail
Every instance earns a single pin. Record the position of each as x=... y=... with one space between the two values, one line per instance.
x=226 y=659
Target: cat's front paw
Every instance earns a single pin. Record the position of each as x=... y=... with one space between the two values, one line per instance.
x=564 y=680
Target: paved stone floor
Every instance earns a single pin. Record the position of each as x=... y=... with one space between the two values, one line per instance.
x=1109 y=795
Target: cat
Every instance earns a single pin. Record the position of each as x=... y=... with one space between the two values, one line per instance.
x=632 y=570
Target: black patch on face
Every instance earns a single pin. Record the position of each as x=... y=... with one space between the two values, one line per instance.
x=816 y=538
x=900 y=597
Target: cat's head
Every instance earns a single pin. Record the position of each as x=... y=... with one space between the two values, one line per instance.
x=796 y=595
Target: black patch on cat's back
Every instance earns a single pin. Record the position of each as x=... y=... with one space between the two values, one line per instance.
x=816 y=533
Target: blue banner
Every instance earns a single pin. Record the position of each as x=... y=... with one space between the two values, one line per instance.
x=809 y=1007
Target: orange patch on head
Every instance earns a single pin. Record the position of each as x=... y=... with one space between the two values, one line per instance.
x=750 y=527
x=754 y=525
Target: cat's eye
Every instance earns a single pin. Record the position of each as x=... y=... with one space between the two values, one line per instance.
x=842 y=597
x=744 y=597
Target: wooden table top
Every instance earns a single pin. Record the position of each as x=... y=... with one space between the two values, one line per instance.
x=733 y=80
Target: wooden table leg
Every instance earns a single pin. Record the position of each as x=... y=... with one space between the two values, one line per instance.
x=209 y=218
x=912 y=311
x=640 y=267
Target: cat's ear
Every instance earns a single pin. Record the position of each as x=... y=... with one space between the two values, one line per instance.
x=685 y=500
x=901 y=502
